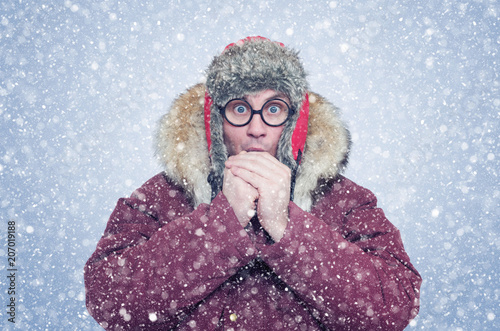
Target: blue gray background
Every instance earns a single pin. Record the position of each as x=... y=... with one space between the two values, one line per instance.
x=83 y=84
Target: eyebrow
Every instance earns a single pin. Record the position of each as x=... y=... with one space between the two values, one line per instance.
x=280 y=95
x=274 y=96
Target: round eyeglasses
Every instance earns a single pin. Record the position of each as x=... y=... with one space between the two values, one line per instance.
x=274 y=112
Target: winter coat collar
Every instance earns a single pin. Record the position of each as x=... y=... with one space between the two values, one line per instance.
x=181 y=146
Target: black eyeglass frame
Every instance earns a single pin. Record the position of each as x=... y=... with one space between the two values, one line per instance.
x=223 y=112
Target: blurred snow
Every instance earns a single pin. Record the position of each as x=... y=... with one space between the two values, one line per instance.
x=82 y=85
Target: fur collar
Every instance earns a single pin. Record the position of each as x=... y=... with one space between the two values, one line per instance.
x=182 y=147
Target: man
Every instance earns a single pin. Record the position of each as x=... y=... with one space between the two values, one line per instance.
x=276 y=239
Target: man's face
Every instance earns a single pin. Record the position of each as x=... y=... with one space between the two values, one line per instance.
x=256 y=135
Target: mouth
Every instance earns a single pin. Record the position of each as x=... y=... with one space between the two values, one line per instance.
x=255 y=149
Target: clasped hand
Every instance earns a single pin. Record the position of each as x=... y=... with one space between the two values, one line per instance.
x=256 y=182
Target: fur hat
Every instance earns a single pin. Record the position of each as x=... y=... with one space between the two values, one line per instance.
x=249 y=66
x=255 y=64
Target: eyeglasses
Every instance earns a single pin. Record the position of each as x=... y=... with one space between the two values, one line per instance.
x=238 y=112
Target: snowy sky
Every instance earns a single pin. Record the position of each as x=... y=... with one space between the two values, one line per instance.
x=82 y=86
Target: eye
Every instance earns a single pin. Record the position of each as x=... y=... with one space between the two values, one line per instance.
x=240 y=109
x=273 y=109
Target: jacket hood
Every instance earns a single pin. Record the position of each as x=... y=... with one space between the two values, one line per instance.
x=181 y=146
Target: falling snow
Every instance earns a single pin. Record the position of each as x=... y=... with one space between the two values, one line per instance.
x=83 y=84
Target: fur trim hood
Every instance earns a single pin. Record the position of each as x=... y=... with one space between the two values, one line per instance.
x=181 y=146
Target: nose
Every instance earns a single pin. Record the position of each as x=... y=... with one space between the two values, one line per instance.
x=256 y=127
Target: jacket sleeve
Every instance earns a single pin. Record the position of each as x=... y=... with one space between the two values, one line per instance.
x=158 y=258
x=347 y=263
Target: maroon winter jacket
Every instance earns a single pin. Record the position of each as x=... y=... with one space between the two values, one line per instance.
x=168 y=260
